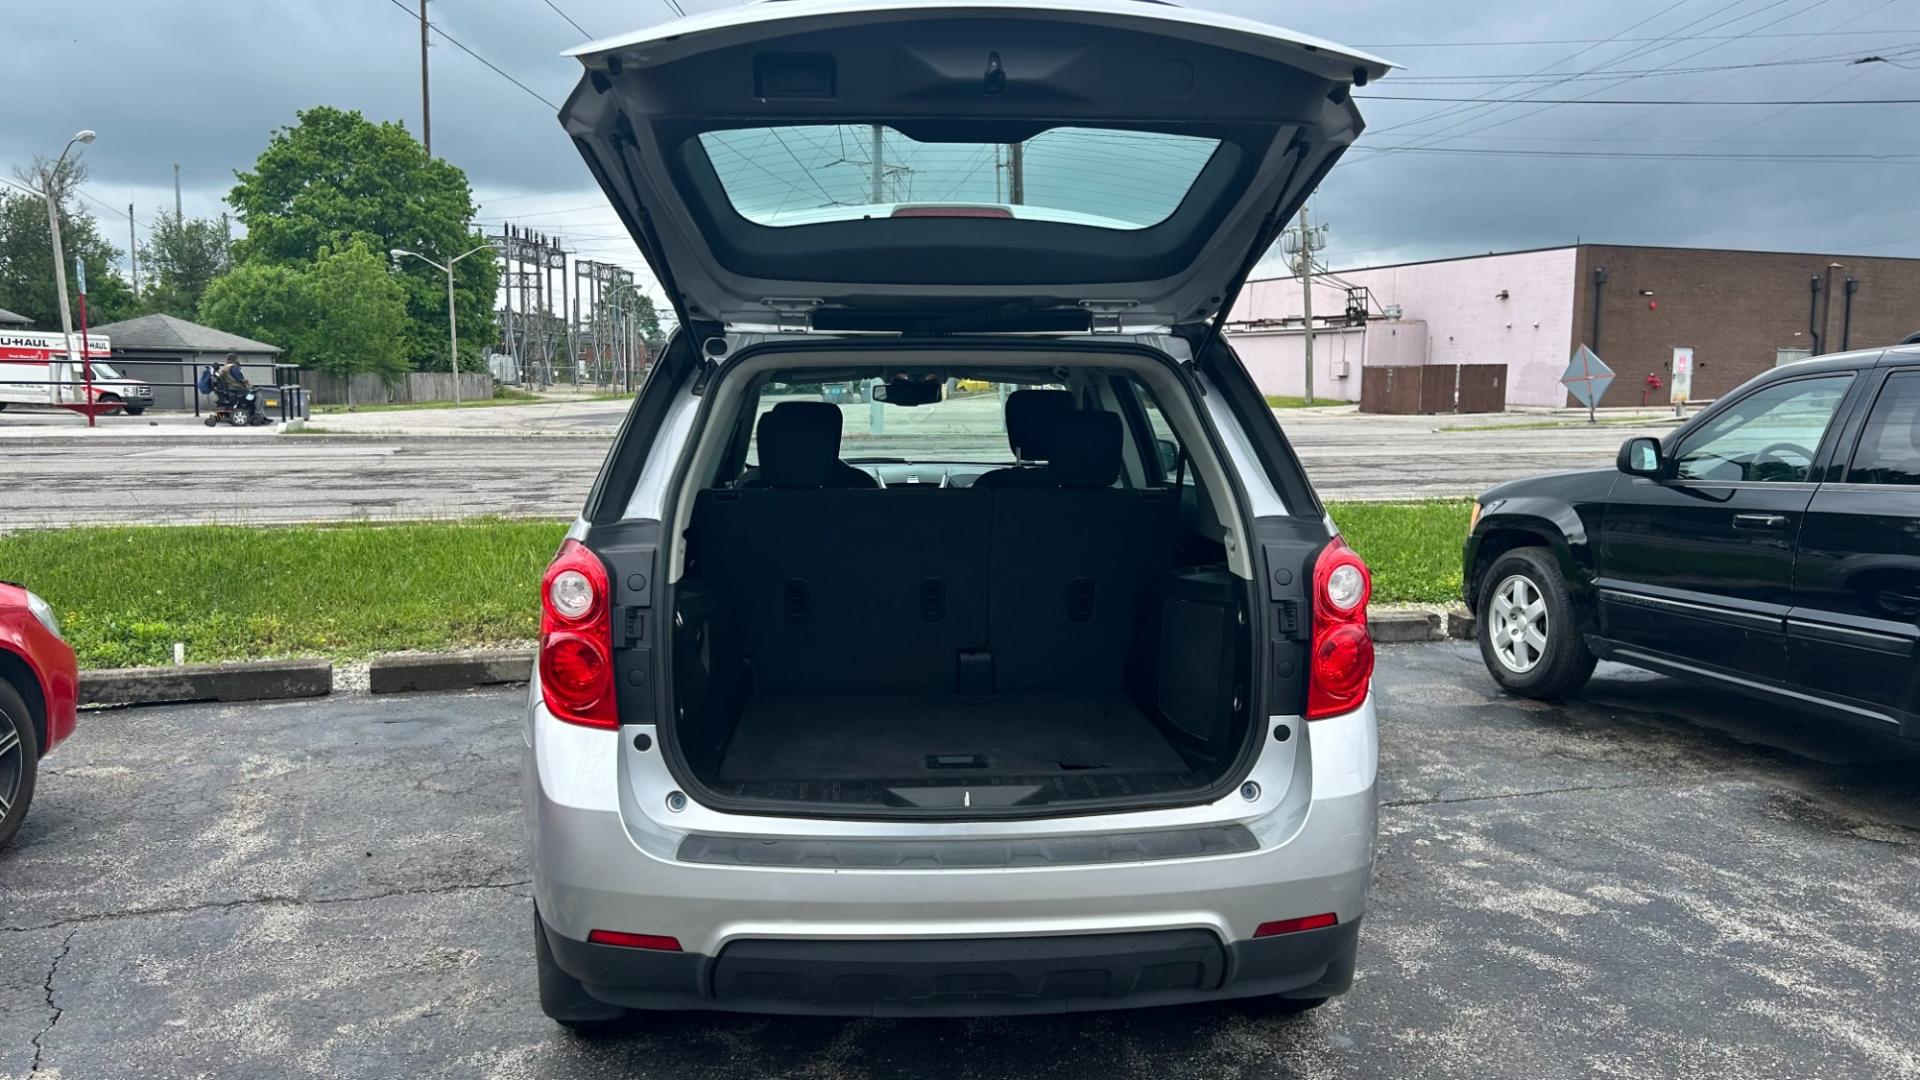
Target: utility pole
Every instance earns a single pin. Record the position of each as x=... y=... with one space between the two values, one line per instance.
x=133 y=252
x=176 y=192
x=1017 y=174
x=52 y=190
x=1301 y=242
x=879 y=163
x=426 y=101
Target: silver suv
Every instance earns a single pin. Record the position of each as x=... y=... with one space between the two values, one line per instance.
x=951 y=629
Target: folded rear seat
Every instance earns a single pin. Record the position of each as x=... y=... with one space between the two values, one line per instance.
x=1070 y=563
x=837 y=591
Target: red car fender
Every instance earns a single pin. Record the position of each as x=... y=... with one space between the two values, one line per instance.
x=48 y=658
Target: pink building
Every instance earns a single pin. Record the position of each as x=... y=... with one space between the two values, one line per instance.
x=1515 y=309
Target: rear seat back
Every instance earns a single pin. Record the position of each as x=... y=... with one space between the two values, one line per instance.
x=1071 y=562
x=1070 y=566
x=850 y=591
x=881 y=591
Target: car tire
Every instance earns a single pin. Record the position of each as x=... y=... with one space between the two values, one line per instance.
x=1529 y=638
x=134 y=410
x=19 y=761
x=564 y=998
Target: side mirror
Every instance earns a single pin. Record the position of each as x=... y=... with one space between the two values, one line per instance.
x=1169 y=452
x=1641 y=456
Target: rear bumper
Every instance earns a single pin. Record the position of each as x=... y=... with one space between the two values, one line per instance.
x=600 y=862
x=966 y=977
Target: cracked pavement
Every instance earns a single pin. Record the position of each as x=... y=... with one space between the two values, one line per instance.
x=1649 y=881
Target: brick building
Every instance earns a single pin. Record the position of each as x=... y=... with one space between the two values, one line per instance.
x=1742 y=312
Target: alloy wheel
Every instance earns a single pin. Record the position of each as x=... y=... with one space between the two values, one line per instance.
x=13 y=763
x=1517 y=624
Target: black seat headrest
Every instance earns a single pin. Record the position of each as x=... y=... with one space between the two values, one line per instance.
x=1086 y=450
x=800 y=444
x=1031 y=417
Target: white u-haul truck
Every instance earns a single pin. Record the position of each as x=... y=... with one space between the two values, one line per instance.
x=36 y=369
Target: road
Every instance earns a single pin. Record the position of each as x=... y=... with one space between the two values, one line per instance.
x=539 y=460
x=1650 y=881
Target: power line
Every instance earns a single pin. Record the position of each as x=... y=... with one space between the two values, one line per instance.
x=1621 y=40
x=1655 y=155
x=1468 y=113
x=1690 y=98
x=677 y=9
x=458 y=44
x=1854 y=57
x=1636 y=101
x=1459 y=109
x=569 y=18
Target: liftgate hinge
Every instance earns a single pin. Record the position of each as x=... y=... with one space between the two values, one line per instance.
x=793 y=315
x=1108 y=316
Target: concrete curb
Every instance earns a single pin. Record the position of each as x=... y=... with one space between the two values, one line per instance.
x=251 y=680
x=449 y=671
x=1400 y=626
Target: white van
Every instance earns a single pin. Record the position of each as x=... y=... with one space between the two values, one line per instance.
x=36 y=369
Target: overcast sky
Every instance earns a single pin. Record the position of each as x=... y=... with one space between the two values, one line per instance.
x=203 y=83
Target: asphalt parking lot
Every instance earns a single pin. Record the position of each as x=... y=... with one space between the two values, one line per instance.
x=1649 y=881
x=540 y=460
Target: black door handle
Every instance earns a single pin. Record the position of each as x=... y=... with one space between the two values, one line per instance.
x=1760 y=522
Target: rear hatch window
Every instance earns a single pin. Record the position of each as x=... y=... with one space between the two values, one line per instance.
x=804 y=175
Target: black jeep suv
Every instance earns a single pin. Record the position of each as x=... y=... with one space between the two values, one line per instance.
x=1771 y=545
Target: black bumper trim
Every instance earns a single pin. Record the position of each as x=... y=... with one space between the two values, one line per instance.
x=966 y=976
x=968 y=854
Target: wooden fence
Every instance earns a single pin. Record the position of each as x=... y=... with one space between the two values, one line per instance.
x=414 y=387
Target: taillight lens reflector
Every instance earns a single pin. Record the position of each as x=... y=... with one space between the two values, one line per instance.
x=656 y=942
x=1294 y=926
x=576 y=639
x=1340 y=661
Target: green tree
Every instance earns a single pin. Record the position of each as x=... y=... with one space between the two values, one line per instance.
x=359 y=315
x=181 y=259
x=26 y=252
x=343 y=315
x=335 y=178
x=645 y=316
x=263 y=301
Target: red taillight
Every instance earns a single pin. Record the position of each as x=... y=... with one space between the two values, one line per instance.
x=634 y=941
x=1294 y=926
x=576 y=639
x=1340 y=664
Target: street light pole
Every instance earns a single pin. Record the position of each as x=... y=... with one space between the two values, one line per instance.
x=453 y=325
x=47 y=182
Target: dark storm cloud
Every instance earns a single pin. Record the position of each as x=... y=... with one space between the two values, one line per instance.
x=203 y=83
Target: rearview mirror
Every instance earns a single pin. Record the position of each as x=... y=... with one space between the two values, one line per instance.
x=910 y=392
x=1641 y=456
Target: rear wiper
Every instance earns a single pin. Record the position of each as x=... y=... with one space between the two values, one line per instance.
x=875 y=460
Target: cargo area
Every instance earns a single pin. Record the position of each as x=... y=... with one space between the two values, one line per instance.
x=1029 y=644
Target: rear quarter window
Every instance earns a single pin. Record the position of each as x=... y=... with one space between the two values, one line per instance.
x=1889 y=450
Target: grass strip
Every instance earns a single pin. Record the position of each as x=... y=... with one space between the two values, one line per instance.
x=126 y=594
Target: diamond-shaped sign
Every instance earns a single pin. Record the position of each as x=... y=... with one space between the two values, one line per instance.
x=1587 y=378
